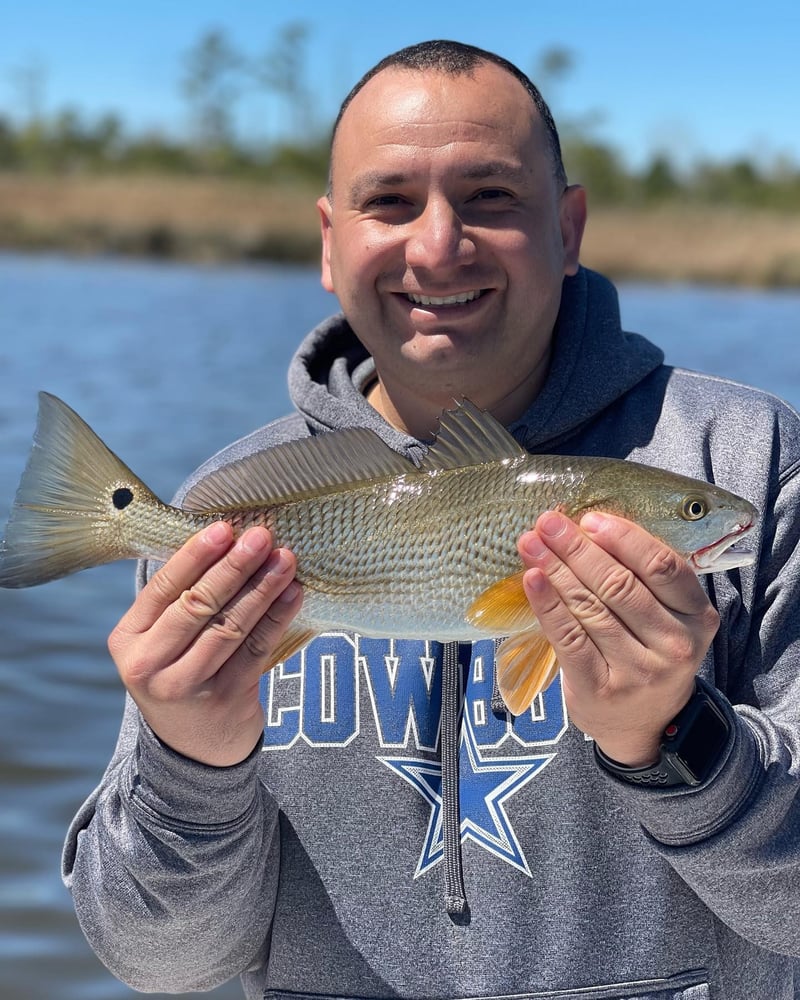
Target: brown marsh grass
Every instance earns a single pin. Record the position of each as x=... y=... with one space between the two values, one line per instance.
x=185 y=217
x=696 y=243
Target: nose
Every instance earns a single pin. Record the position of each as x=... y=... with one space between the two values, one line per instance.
x=437 y=239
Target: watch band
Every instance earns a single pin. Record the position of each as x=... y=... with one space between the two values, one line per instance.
x=690 y=748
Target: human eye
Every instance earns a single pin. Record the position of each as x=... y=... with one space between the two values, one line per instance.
x=385 y=201
x=388 y=207
x=492 y=195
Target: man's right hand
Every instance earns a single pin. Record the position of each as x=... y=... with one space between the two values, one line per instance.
x=192 y=648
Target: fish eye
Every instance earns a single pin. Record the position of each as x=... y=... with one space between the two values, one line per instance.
x=693 y=508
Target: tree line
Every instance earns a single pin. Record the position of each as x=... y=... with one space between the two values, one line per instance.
x=215 y=74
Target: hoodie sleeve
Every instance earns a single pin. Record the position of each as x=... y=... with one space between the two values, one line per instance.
x=736 y=839
x=173 y=865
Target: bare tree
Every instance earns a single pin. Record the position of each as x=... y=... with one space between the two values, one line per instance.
x=210 y=85
x=282 y=70
x=29 y=83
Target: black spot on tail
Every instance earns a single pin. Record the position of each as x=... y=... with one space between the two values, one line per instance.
x=121 y=497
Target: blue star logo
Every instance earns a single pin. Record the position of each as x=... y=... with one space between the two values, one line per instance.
x=485 y=785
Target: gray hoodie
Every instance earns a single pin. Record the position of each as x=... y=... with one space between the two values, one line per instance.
x=398 y=835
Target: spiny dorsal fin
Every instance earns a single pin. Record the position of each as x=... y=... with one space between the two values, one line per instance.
x=310 y=467
x=299 y=469
x=468 y=436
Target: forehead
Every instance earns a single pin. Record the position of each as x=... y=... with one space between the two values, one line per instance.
x=407 y=112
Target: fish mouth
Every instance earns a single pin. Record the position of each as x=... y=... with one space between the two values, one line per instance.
x=456 y=299
x=722 y=555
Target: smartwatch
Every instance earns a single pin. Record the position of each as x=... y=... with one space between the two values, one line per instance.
x=691 y=746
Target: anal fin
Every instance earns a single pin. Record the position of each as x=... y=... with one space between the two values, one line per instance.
x=525 y=664
x=296 y=637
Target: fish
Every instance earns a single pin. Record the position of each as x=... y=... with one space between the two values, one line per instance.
x=384 y=547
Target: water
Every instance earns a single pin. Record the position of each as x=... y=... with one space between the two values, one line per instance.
x=170 y=363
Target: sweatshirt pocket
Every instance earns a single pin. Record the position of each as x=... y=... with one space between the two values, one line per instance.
x=685 y=986
x=692 y=985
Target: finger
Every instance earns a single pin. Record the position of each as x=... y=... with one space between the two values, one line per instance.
x=627 y=600
x=586 y=577
x=571 y=616
x=634 y=584
x=165 y=639
x=178 y=574
x=680 y=622
x=244 y=634
x=257 y=650
x=568 y=635
x=223 y=605
x=665 y=573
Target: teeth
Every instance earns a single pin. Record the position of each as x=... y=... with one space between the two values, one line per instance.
x=444 y=300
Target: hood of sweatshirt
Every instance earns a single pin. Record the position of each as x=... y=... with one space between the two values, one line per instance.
x=594 y=362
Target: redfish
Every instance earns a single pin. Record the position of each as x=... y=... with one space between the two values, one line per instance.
x=384 y=548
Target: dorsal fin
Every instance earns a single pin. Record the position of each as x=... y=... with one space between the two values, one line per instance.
x=298 y=470
x=314 y=466
x=468 y=436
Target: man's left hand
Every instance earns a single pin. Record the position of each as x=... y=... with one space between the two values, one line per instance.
x=629 y=622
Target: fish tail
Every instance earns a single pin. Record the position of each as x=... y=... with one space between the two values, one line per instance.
x=66 y=514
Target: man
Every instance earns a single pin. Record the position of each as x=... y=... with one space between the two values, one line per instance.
x=394 y=834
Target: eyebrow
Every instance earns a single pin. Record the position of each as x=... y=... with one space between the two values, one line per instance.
x=495 y=168
x=374 y=180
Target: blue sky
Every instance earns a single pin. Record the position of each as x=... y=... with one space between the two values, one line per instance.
x=698 y=79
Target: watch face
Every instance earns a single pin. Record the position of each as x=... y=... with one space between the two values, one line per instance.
x=699 y=743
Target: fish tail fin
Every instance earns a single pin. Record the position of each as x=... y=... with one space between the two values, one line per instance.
x=525 y=664
x=66 y=512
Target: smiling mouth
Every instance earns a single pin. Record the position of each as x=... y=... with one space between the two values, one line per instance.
x=459 y=299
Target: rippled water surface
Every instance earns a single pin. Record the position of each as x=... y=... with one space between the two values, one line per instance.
x=168 y=364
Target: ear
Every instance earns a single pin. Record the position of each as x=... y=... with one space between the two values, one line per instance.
x=572 y=215
x=326 y=224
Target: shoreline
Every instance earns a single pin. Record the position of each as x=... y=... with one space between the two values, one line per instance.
x=215 y=220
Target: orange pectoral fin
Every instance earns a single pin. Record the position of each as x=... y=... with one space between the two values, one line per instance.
x=502 y=608
x=296 y=637
x=525 y=664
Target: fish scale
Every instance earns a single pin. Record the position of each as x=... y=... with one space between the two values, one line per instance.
x=383 y=560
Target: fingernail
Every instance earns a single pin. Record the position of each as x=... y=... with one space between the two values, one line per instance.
x=551 y=524
x=277 y=563
x=254 y=541
x=536 y=581
x=533 y=546
x=592 y=522
x=217 y=533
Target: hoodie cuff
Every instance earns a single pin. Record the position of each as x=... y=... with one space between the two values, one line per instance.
x=683 y=815
x=181 y=791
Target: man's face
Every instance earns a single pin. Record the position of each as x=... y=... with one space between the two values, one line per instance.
x=446 y=238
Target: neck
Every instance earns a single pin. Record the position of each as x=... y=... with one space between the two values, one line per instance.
x=418 y=415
